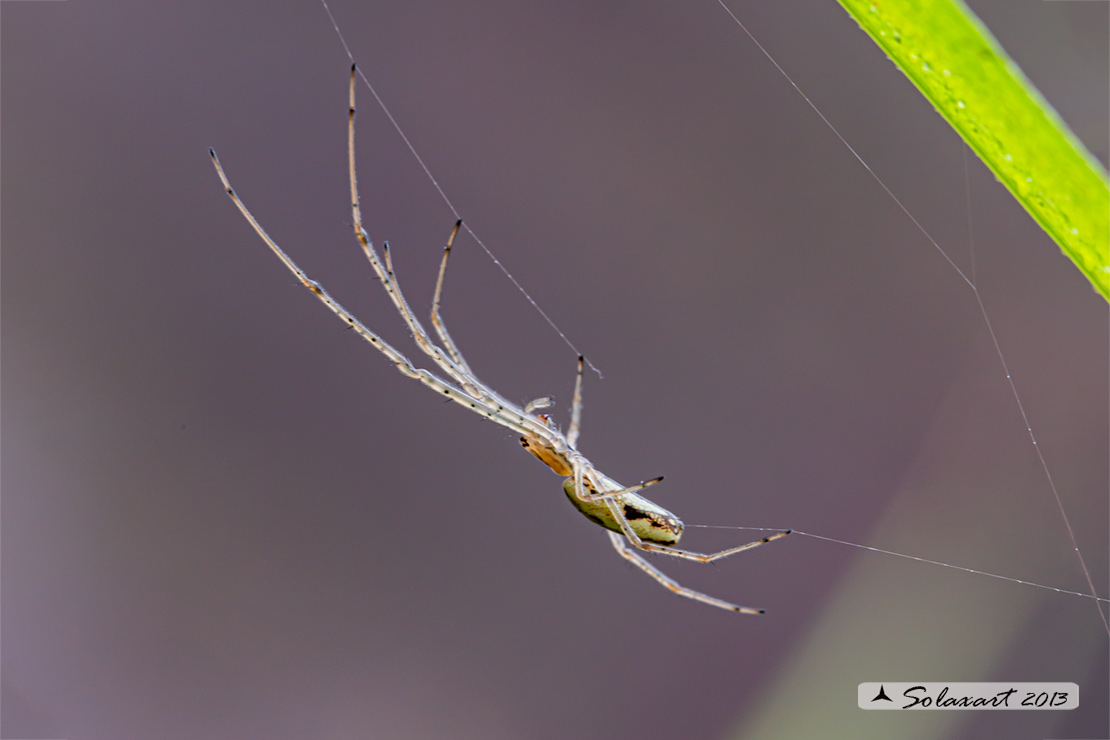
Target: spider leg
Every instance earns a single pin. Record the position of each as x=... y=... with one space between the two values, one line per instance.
x=576 y=408
x=586 y=489
x=589 y=493
x=634 y=538
x=460 y=374
x=445 y=336
x=506 y=415
x=579 y=477
x=628 y=553
x=437 y=322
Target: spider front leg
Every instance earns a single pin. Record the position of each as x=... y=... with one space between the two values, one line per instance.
x=437 y=322
x=449 y=345
x=446 y=360
x=504 y=414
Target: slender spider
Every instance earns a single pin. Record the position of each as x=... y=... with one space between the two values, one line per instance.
x=634 y=522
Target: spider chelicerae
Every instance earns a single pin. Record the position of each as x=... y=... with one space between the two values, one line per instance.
x=634 y=522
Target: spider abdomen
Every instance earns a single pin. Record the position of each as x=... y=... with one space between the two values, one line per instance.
x=647 y=519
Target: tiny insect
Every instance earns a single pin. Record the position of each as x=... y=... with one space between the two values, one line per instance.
x=634 y=522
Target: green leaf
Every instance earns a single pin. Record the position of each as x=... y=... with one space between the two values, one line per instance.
x=960 y=68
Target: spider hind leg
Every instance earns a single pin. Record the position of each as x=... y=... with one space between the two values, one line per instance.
x=627 y=552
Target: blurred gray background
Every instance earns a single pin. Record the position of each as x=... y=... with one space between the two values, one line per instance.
x=226 y=516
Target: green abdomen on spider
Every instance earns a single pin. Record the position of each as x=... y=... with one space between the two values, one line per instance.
x=650 y=521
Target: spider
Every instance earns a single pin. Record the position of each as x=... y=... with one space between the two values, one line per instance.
x=634 y=522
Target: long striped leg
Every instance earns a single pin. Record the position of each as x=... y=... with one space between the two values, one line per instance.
x=629 y=554
x=437 y=322
x=445 y=337
x=384 y=270
x=507 y=416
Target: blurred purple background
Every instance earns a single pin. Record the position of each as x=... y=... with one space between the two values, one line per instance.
x=226 y=516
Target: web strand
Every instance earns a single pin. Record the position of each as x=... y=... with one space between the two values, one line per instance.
x=443 y=194
x=796 y=532
x=982 y=309
x=1017 y=399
